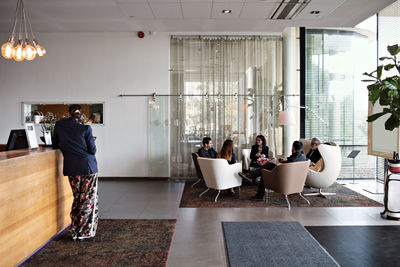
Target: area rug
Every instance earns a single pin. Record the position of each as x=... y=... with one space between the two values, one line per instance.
x=360 y=245
x=117 y=243
x=273 y=244
x=344 y=198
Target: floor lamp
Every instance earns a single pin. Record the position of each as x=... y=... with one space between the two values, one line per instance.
x=287 y=118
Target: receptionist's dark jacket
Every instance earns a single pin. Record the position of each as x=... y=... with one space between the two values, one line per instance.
x=77 y=146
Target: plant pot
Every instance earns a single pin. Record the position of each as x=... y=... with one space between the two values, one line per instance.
x=394 y=165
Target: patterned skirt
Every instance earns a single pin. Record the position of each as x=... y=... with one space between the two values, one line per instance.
x=85 y=208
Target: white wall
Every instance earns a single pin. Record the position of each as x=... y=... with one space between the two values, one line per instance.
x=91 y=67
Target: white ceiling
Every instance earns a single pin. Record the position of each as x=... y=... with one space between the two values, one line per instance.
x=182 y=15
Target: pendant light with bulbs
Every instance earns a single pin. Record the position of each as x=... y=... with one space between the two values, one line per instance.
x=23 y=49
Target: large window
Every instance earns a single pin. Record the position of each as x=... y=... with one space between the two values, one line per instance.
x=335 y=61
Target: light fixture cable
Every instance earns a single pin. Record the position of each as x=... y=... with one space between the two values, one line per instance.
x=14 y=24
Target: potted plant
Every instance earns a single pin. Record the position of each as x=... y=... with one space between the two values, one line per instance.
x=48 y=124
x=386 y=88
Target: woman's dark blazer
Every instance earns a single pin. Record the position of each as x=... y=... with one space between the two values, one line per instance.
x=254 y=151
x=76 y=143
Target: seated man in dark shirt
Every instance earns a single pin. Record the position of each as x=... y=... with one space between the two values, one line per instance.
x=314 y=154
x=297 y=155
x=207 y=151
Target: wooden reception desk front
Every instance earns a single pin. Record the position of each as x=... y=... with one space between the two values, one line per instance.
x=35 y=201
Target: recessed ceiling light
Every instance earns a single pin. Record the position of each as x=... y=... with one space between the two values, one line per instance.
x=315 y=12
x=131 y=17
x=226 y=11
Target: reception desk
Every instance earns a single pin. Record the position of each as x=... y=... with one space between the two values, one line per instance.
x=35 y=201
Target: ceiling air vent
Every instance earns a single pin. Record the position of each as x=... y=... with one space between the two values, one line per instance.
x=288 y=9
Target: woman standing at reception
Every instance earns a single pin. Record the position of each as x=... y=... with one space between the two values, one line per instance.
x=76 y=142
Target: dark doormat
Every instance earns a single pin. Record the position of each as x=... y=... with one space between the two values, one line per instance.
x=273 y=244
x=360 y=245
x=344 y=198
x=117 y=243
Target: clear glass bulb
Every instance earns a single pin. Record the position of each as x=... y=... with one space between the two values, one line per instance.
x=19 y=52
x=6 y=49
x=40 y=50
x=30 y=52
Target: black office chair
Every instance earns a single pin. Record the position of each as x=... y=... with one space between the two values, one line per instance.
x=195 y=156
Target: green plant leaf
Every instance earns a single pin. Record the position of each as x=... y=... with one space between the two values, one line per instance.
x=393 y=49
x=376 y=116
x=373 y=87
x=387 y=90
x=393 y=93
x=396 y=102
x=390 y=84
x=374 y=96
x=394 y=77
x=379 y=71
x=384 y=98
x=392 y=122
x=388 y=66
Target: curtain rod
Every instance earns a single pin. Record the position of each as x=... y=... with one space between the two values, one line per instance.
x=225 y=36
x=218 y=95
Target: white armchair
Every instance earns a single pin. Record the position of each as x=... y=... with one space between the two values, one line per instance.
x=306 y=145
x=219 y=175
x=332 y=163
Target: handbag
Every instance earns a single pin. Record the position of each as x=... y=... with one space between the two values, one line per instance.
x=263 y=161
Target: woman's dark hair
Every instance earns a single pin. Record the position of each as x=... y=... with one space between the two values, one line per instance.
x=263 y=141
x=226 y=150
x=75 y=111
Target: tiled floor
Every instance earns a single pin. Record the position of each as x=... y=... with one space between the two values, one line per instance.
x=198 y=240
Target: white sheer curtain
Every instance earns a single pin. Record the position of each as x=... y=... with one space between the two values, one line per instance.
x=230 y=87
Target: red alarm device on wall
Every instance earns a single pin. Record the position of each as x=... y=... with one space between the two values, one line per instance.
x=140 y=34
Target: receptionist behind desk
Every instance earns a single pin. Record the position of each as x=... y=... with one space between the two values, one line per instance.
x=76 y=143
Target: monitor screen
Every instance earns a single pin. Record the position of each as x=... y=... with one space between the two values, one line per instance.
x=17 y=140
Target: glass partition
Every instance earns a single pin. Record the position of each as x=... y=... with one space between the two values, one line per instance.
x=158 y=137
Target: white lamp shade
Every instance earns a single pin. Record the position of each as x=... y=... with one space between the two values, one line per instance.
x=286 y=118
